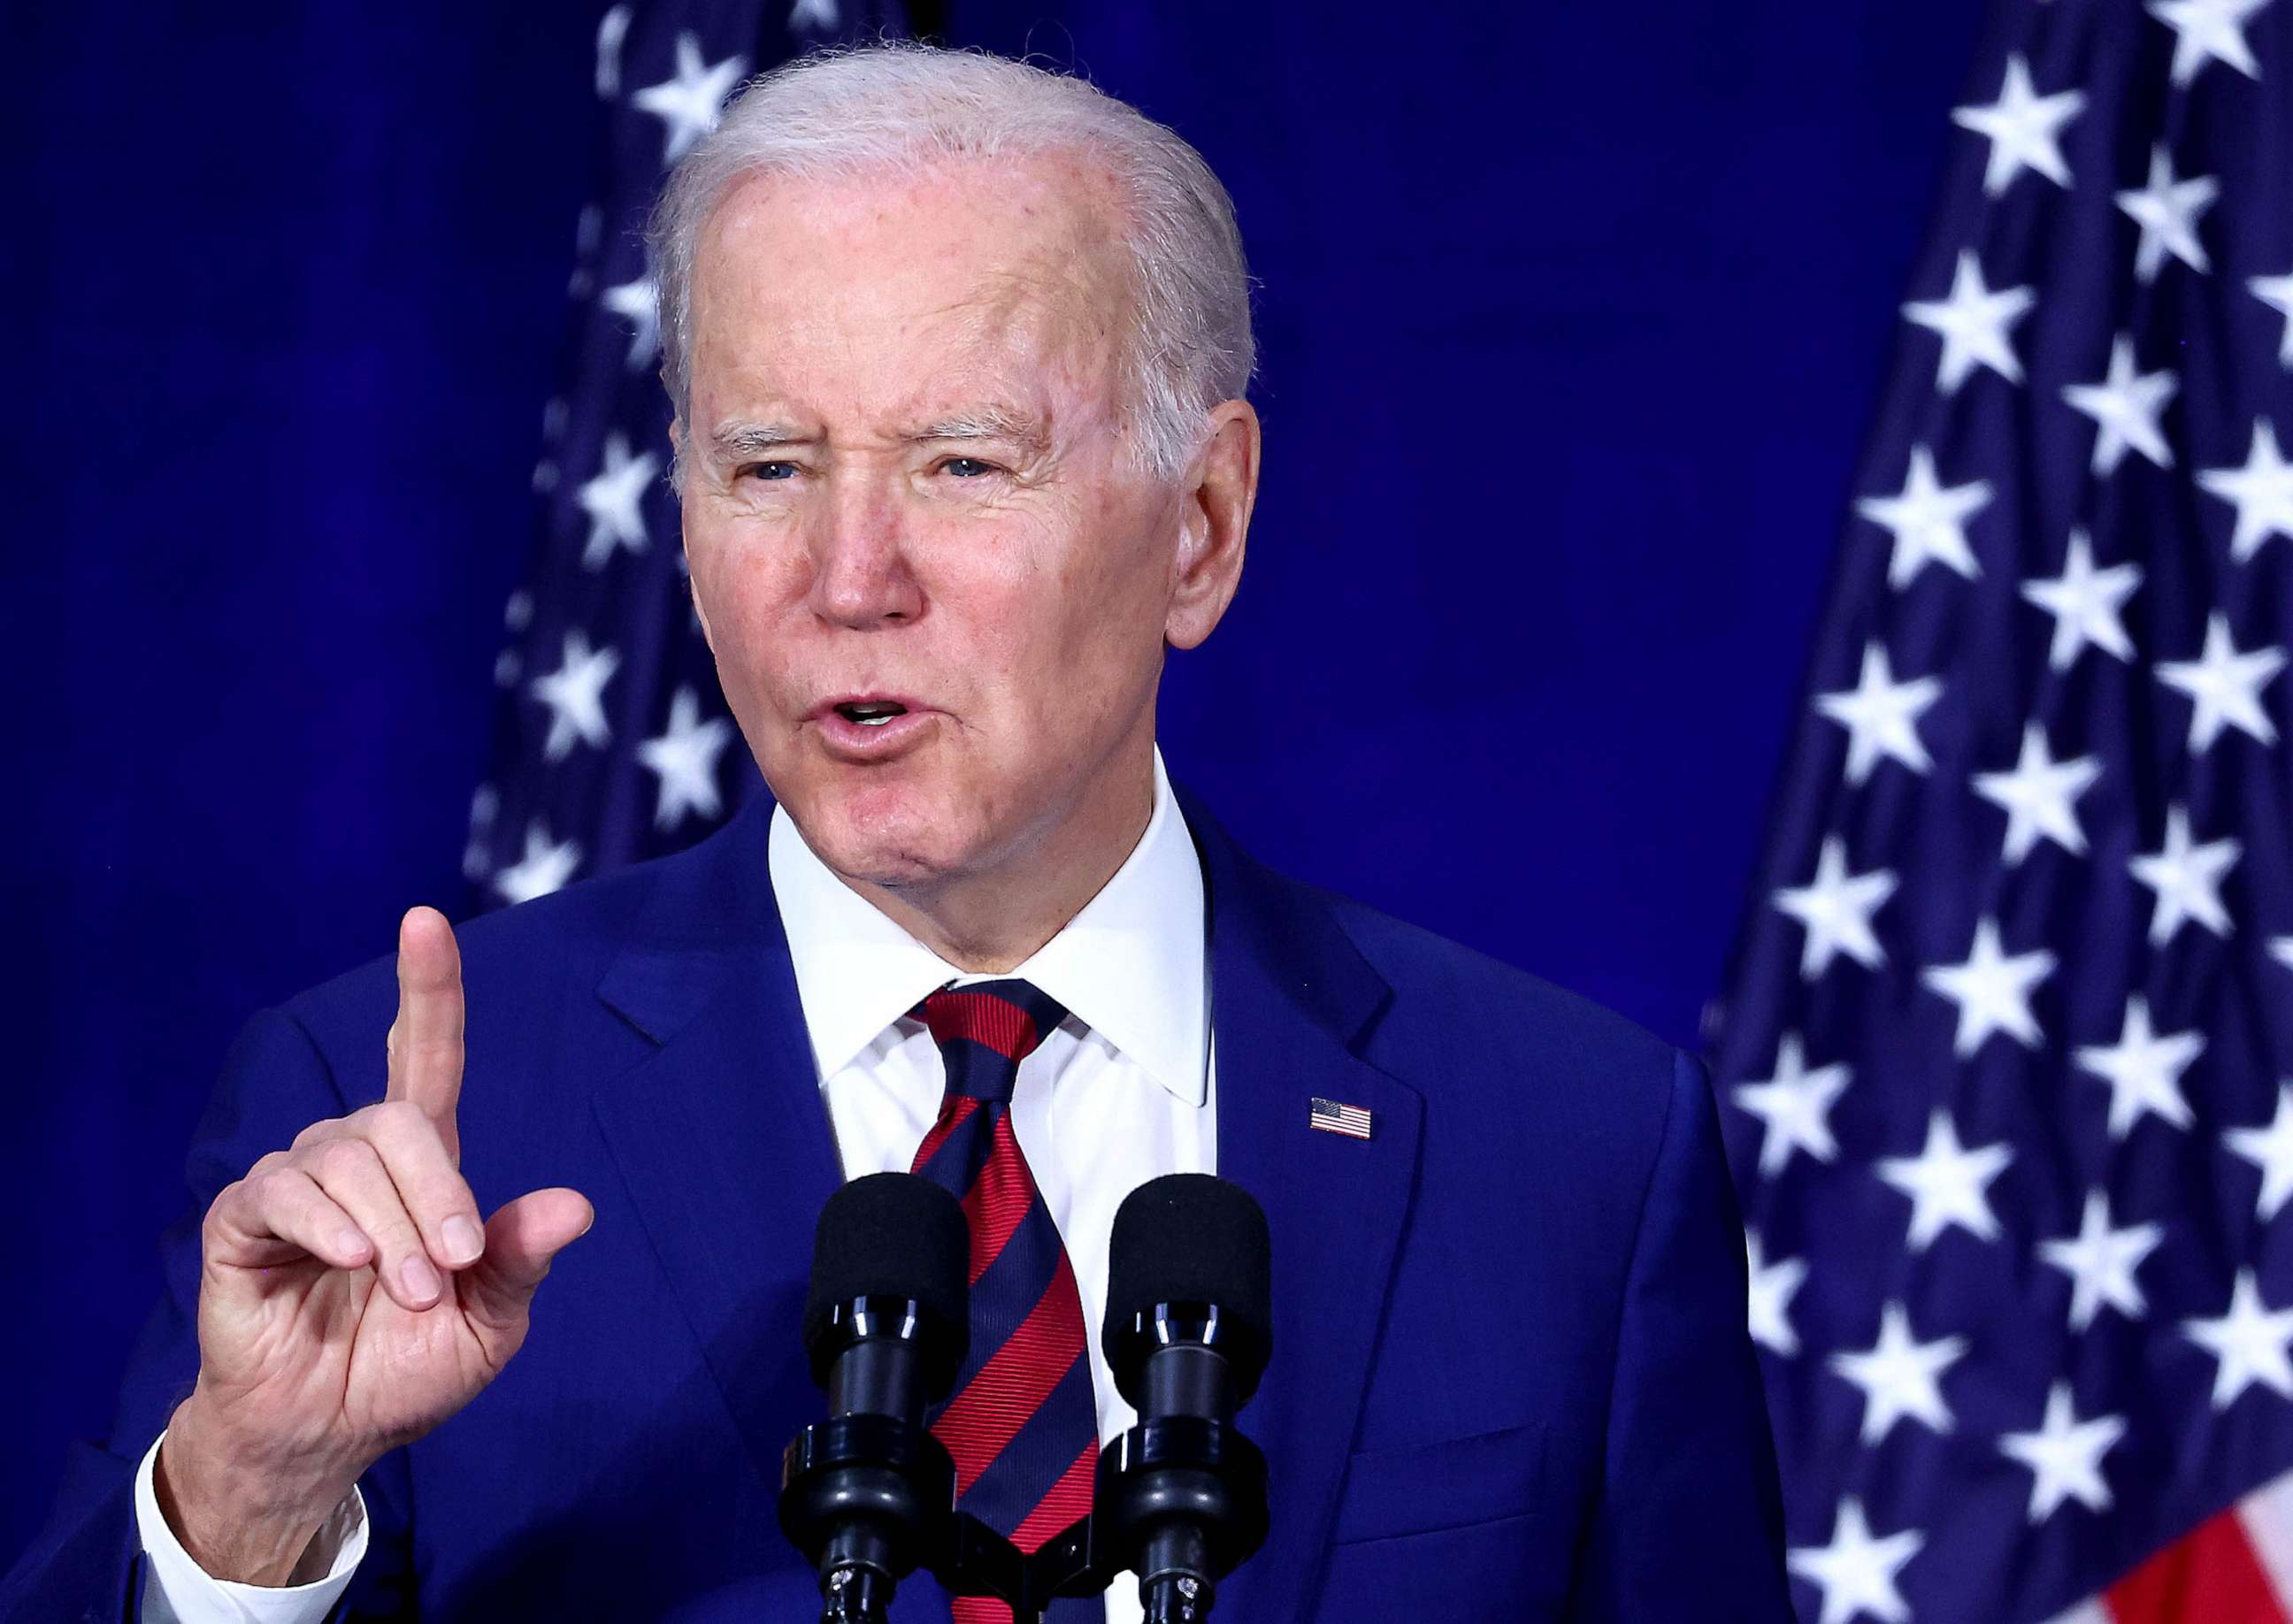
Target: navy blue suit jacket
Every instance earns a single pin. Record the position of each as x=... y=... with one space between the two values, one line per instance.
x=1511 y=1378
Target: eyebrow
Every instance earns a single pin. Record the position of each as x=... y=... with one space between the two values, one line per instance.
x=973 y=423
x=749 y=438
x=987 y=423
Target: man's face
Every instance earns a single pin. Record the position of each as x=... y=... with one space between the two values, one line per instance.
x=906 y=483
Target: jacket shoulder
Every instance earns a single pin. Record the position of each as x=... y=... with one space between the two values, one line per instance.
x=522 y=959
x=1513 y=1012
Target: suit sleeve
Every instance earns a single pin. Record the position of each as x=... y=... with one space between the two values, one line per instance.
x=88 y=1565
x=1691 y=1521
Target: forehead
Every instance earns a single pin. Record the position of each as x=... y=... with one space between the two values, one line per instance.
x=968 y=272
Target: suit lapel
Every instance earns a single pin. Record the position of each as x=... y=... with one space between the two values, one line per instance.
x=1291 y=998
x=721 y=1135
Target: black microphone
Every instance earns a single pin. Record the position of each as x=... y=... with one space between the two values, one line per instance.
x=1181 y=1496
x=885 y=1328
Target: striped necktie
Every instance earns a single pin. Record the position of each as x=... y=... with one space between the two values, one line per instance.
x=1020 y=1422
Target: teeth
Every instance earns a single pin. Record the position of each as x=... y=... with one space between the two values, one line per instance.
x=870 y=712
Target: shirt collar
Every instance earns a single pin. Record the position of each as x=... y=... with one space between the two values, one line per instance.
x=1129 y=965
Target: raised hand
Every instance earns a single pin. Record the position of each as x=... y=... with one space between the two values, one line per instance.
x=349 y=1298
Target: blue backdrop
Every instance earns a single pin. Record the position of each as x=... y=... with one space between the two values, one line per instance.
x=1573 y=319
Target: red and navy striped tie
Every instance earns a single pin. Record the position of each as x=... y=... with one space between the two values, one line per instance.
x=1020 y=1422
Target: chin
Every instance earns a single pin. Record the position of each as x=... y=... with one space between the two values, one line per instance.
x=884 y=830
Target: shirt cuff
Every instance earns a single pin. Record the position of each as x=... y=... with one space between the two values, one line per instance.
x=179 y=1591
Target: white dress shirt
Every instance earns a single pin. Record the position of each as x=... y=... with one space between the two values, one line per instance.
x=1123 y=1091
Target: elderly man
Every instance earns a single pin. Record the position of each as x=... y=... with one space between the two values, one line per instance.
x=957 y=349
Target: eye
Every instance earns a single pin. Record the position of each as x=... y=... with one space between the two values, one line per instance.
x=968 y=467
x=770 y=471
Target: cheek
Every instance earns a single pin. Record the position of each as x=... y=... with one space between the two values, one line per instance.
x=1116 y=586
x=745 y=598
x=1093 y=637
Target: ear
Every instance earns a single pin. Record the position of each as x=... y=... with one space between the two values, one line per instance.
x=1221 y=487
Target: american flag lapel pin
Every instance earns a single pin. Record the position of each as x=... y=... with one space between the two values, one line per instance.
x=1332 y=1118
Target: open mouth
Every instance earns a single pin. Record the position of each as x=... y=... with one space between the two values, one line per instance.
x=870 y=712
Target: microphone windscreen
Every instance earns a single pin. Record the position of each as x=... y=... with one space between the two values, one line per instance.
x=896 y=1235
x=1189 y=1237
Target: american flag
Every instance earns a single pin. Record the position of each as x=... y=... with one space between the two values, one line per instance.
x=1332 y=1118
x=2004 y=1055
x=612 y=742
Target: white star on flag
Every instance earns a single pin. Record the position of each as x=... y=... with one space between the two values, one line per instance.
x=1947 y=1183
x=477 y=856
x=2125 y=406
x=1928 y=521
x=1855 y=1571
x=2226 y=682
x=2249 y=1343
x=690 y=104
x=1900 y=1376
x=575 y=694
x=2166 y=210
x=1795 y=1106
x=820 y=15
x=2087 y=605
x=2277 y=292
x=2064 y=1455
x=638 y=303
x=1773 y=1285
x=546 y=866
x=2144 y=1070
x=2100 y=1262
x=2269 y=1148
x=685 y=759
x=1972 y=322
x=2037 y=797
x=2208 y=32
x=613 y=29
x=1992 y=989
x=587 y=230
x=1837 y=908
x=2024 y=129
x=2282 y=948
x=614 y=500
x=2187 y=878
x=2262 y=492
x=1880 y=716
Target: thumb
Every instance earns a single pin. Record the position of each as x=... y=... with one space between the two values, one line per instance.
x=522 y=1239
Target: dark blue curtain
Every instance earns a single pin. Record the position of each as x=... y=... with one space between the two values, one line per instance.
x=1573 y=318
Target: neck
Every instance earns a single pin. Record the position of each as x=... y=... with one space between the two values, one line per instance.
x=991 y=922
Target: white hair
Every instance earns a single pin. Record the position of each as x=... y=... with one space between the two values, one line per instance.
x=900 y=105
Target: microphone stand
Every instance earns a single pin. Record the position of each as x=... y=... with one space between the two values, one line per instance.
x=1186 y=1493
x=977 y=1560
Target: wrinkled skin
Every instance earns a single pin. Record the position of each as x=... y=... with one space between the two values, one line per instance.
x=1017 y=581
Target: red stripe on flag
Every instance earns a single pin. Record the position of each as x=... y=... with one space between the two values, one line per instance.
x=1067 y=1502
x=953 y=1112
x=1003 y=1397
x=999 y=1198
x=2210 y=1576
x=985 y=1019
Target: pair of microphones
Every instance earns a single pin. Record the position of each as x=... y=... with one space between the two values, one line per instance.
x=868 y=1495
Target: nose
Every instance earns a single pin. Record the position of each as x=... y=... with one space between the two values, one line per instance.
x=861 y=572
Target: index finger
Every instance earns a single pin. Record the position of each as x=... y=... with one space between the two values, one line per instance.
x=425 y=1040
